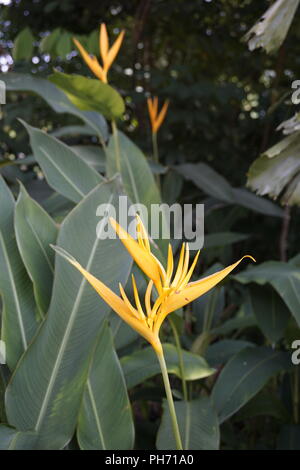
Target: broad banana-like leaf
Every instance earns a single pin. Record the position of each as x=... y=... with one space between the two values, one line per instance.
x=56 y=99
x=46 y=390
x=90 y=94
x=65 y=171
x=244 y=376
x=11 y=439
x=198 y=426
x=19 y=316
x=35 y=231
x=105 y=418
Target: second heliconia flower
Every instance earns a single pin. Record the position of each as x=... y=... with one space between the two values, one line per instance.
x=156 y=118
x=108 y=54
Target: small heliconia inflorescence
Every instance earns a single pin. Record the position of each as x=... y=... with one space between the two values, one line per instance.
x=156 y=118
x=108 y=54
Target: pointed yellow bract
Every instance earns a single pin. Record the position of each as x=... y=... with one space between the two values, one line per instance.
x=173 y=287
x=108 y=55
x=156 y=118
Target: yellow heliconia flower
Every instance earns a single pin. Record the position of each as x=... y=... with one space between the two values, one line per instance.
x=108 y=54
x=156 y=118
x=173 y=289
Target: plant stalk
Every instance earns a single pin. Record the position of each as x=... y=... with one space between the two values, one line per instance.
x=117 y=145
x=163 y=366
x=180 y=358
x=155 y=154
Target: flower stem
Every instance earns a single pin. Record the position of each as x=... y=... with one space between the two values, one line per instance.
x=155 y=154
x=117 y=145
x=180 y=358
x=164 y=372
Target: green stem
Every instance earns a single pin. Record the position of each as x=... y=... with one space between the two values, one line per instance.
x=180 y=358
x=164 y=372
x=155 y=154
x=117 y=145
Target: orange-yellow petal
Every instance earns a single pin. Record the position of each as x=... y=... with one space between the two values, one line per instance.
x=192 y=291
x=103 y=42
x=160 y=118
x=151 y=112
x=142 y=257
x=113 y=300
x=113 y=51
x=91 y=61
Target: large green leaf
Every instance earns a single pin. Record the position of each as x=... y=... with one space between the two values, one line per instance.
x=90 y=94
x=65 y=171
x=270 y=311
x=45 y=392
x=143 y=364
x=19 y=312
x=93 y=155
x=11 y=439
x=276 y=171
x=56 y=99
x=198 y=425
x=105 y=418
x=23 y=45
x=35 y=231
x=221 y=351
x=244 y=376
x=212 y=183
x=284 y=277
x=271 y=29
x=207 y=179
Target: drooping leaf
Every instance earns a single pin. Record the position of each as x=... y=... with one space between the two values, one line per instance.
x=198 y=426
x=207 y=179
x=56 y=99
x=56 y=364
x=283 y=277
x=276 y=171
x=67 y=173
x=143 y=364
x=35 y=231
x=271 y=29
x=19 y=320
x=105 y=418
x=90 y=94
x=244 y=376
x=215 y=185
